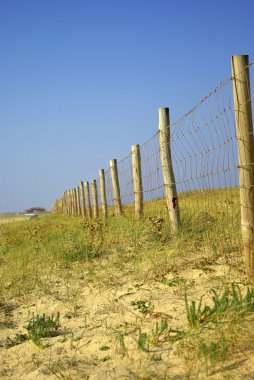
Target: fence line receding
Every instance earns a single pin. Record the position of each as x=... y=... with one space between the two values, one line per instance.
x=196 y=172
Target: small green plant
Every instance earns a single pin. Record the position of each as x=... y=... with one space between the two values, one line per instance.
x=161 y=331
x=196 y=314
x=43 y=326
x=213 y=352
x=143 y=306
x=106 y=358
x=174 y=281
x=230 y=301
x=104 y=348
x=38 y=327
x=69 y=315
x=122 y=349
x=160 y=334
x=77 y=250
x=143 y=341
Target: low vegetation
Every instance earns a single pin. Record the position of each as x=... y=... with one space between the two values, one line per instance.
x=122 y=298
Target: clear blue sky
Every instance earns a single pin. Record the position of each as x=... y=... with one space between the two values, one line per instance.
x=81 y=81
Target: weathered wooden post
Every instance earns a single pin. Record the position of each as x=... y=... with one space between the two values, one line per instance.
x=88 y=200
x=167 y=170
x=65 y=203
x=68 y=202
x=82 y=199
x=244 y=132
x=62 y=203
x=75 y=201
x=95 y=199
x=103 y=193
x=137 y=180
x=70 y=206
x=78 y=201
x=72 y=202
x=116 y=187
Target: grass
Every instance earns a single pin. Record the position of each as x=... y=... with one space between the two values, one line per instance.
x=38 y=327
x=160 y=305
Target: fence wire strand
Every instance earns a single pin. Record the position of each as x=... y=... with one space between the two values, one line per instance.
x=205 y=162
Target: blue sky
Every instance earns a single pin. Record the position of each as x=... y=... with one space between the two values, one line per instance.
x=81 y=81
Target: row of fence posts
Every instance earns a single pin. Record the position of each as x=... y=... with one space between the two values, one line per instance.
x=77 y=201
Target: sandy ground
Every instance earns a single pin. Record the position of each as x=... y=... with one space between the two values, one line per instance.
x=4 y=220
x=98 y=337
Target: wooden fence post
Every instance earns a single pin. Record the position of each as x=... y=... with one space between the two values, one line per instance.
x=95 y=199
x=167 y=170
x=65 y=202
x=116 y=187
x=75 y=201
x=61 y=205
x=78 y=200
x=82 y=199
x=137 y=180
x=68 y=202
x=103 y=193
x=72 y=203
x=88 y=200
x=244 y=131
x=69 y=197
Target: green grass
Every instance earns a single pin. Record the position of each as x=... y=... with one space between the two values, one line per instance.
x=33 y=249
x=38 y=327
x=71 y=252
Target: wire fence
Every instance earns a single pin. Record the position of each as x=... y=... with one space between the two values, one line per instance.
x=205 y=161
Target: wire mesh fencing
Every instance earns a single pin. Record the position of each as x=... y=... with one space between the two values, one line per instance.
x=204 y=156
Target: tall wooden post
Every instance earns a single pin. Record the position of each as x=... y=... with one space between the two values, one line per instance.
x=95 y=199
x=82 y=199
x=116 y=187
x=244 y=131
x=88 y=200
x=137 y=180
x=103 y=193
x=167 y=170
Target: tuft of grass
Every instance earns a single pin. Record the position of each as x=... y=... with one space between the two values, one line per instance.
x=213 y=352
x=43 y=326
x=231 y=301
x=38 y=327
x=174 y=281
